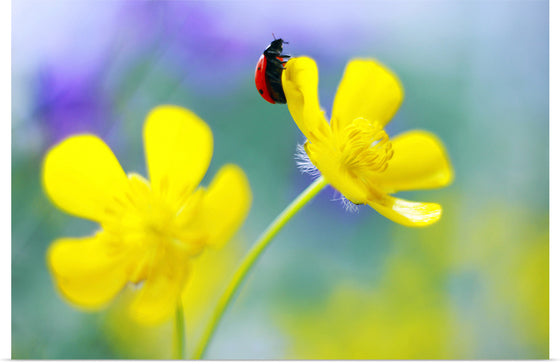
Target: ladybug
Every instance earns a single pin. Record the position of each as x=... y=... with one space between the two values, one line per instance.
x=268 y=75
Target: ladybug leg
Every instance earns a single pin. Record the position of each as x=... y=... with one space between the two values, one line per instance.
x=276 y=61
x=273 y=53
x=274 y=78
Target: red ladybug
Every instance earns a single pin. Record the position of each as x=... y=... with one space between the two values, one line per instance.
x=268 y=75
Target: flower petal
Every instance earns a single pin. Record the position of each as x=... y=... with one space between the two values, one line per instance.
x=419 y=161
x=368 y=90
x=178 y=151
x=88 y=271
x=226 y=204
x=83 y=177
x=161 y=291
x=300 y=81
x=407 y=213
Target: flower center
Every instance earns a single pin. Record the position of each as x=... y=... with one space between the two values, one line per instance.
x=157 y=219
x=365 y=146
x=144 y=220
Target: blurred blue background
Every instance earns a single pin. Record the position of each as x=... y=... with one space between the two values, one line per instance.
x=333 y=284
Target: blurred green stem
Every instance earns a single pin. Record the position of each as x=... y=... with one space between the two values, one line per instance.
x=251 y=258
x=179 y=344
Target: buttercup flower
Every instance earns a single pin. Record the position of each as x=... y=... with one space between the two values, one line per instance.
x=150 y=230
x=354 y=153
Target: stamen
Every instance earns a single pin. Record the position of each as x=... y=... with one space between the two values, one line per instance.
x=365 y=145
x=348 y=205
x=143 y=217
x=303 y=162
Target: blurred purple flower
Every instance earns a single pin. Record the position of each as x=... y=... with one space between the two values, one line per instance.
x=71 y=101
x=189 y=38
x=76 y=92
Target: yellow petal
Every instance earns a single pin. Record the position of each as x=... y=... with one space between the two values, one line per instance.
x=419 y=161
x=368 y=90
x=408 y=213
x=161 y=291
x=178 y=151
x=300 y=81
x=226 y=204
x=89 y=272
x=82 y=176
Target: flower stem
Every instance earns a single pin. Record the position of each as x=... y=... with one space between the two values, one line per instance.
x=179 y=344
x=251 y=257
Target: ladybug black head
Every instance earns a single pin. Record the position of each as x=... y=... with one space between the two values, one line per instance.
x=275 y=46
x=277 y=42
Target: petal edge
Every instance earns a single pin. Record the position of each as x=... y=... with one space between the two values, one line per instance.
x=368 y=90
x=420 y=161
x=226 y=204
x=178 y=146
x=82 y=176
x=300 y=81
x=86 y=270
x=408 y=213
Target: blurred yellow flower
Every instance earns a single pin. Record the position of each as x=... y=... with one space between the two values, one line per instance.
x=354 y=153
x=406 y=313
x=357 y=324
x=150 y=230
x=210 y=274
x=440 y=294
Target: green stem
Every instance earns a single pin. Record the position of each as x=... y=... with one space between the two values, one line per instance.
x=179 y=344
x=252 y=256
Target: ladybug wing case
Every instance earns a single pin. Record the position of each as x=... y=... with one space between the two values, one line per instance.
x=261 y=80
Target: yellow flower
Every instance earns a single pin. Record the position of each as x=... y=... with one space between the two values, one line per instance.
x=150 y=231
x=354 y=153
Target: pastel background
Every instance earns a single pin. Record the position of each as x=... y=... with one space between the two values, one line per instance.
x=333 y=284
